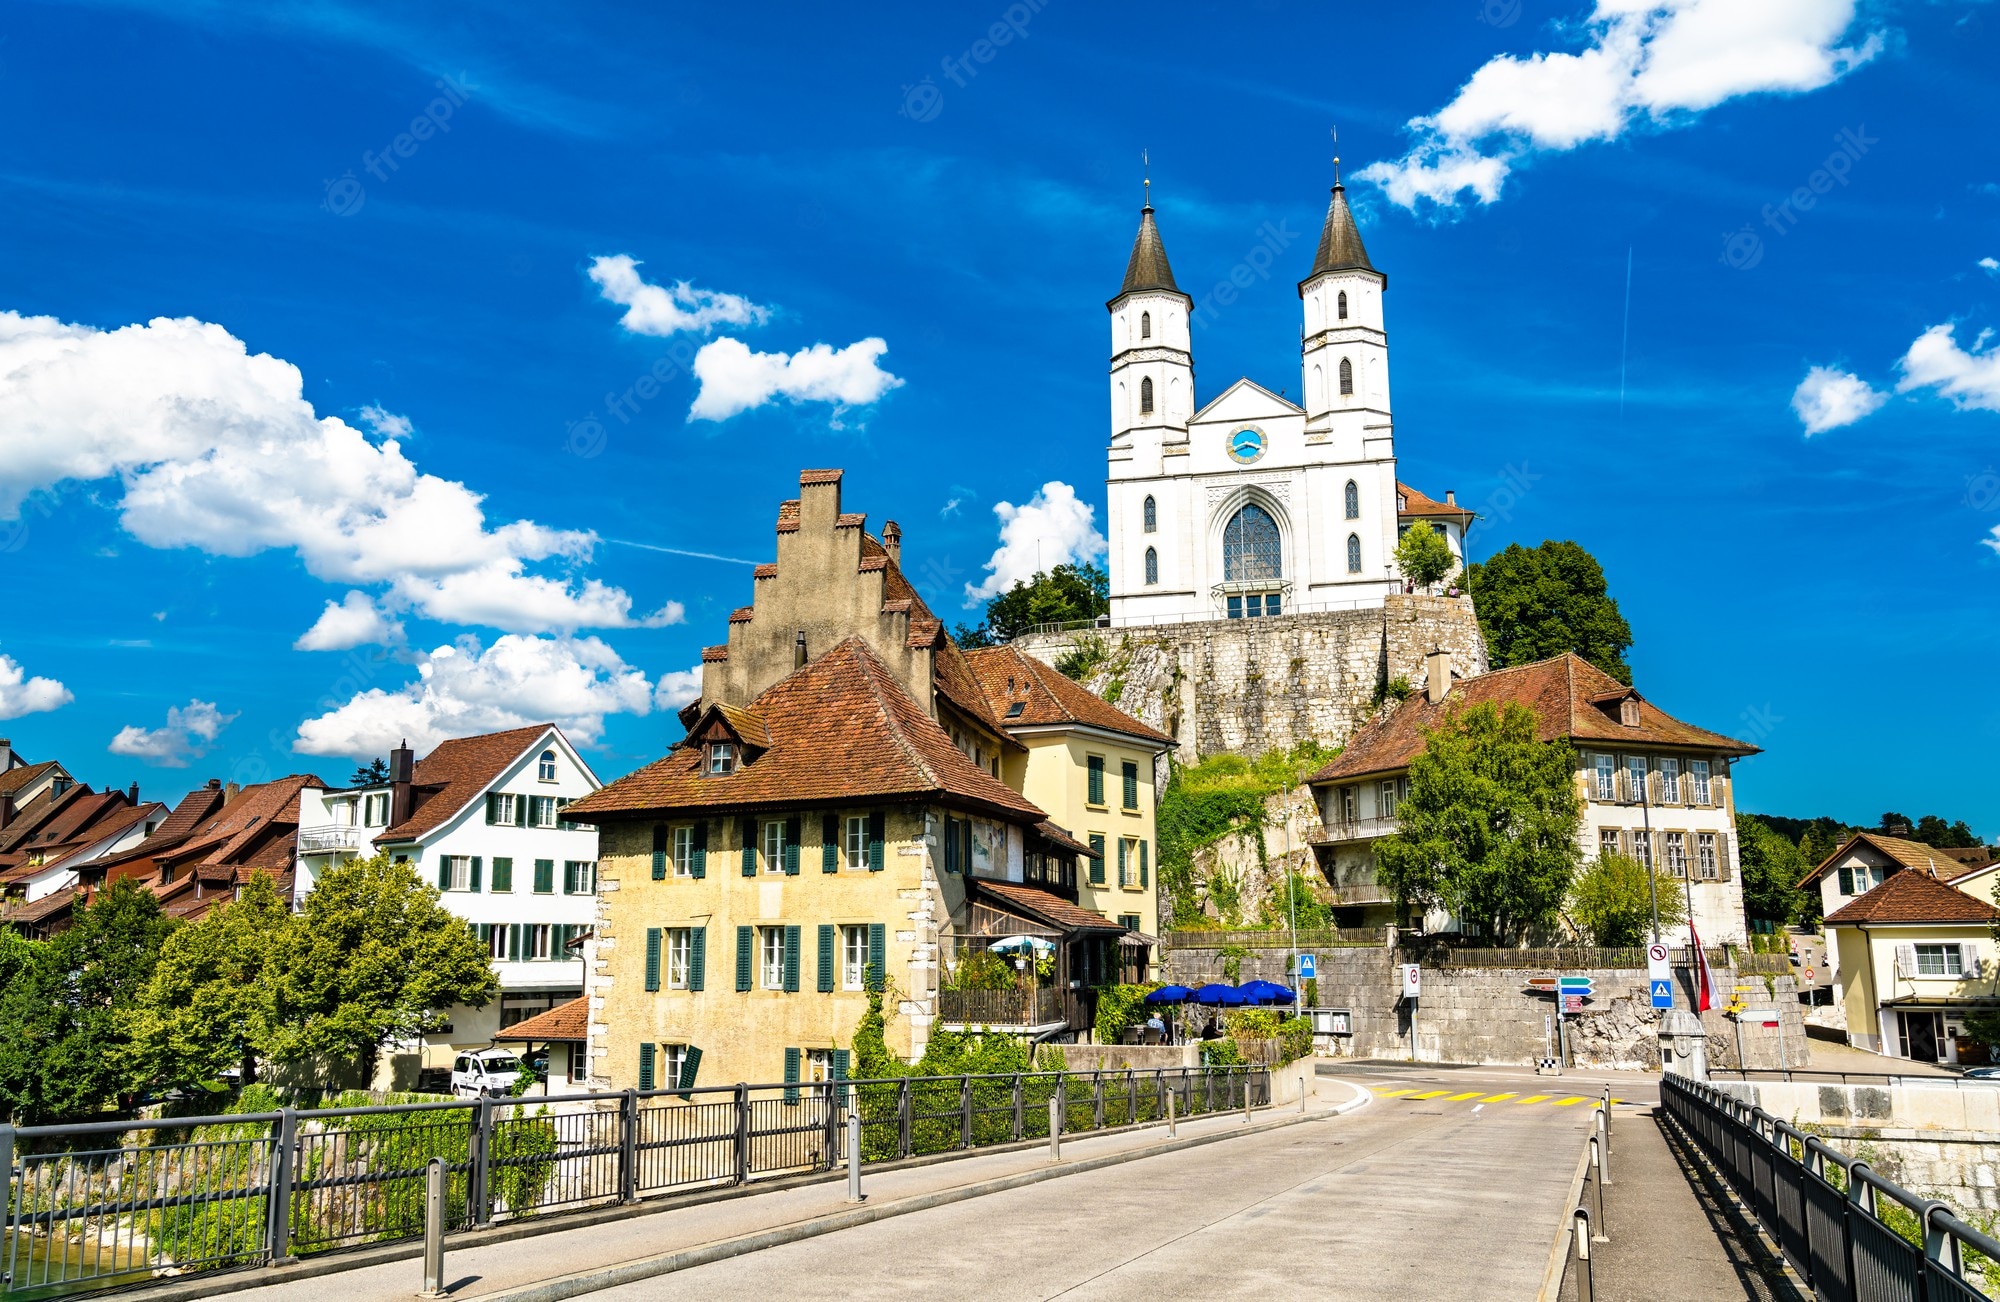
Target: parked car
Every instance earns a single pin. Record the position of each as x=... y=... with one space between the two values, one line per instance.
x=1991 y=1075
x=489 y=1072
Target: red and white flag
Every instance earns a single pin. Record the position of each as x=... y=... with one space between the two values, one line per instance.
x=1704 y=980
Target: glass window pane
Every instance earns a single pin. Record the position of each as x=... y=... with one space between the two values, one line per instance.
x=1250 y=546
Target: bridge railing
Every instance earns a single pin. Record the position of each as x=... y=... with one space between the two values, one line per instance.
x=111 y=1204
x=1850 y=1234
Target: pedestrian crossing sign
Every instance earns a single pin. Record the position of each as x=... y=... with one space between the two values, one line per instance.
x=1663 y=994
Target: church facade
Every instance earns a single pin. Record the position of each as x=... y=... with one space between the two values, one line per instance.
x=1253 y=506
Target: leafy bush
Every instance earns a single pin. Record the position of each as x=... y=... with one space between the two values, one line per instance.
x=1612 y=901
x=1424 y=556
x=1203 y=803
x=1087 y=651
x=982 y=969
x=1120 y=1008
x=1293 y=1034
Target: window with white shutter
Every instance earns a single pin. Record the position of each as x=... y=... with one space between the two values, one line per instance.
x=1906 y=960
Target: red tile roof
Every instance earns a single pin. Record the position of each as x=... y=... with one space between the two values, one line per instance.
x=1910 y=854
x=16 y=778
x=1914 y=897
x=458 y=772
x=570 y=1021
x=1042 y=906
x=1559 y=691
x=819 y=477
x=1413 y=503
x=240 y=830
x=842 y=729
x=1010 y=676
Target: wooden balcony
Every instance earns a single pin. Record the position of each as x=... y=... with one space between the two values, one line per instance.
x=1004 y=1009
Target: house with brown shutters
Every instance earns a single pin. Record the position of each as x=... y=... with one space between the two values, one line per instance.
x=1915 y=955
x=1653 y=787
x=842 y=817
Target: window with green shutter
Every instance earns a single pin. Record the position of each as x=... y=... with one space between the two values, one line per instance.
x=545 y=877
x=444 y=872
x=647 y=1052
x=652 y=958
x=791 y=960
x=1124 y=862
x=517 y=942
x=503 y=876
x=877 y=956
x=746 y=956
x=829 y=844
x=791 y=1076
x=1129 y=773
x=875 y=830
x=1142 y=865
x=840 y=1064
x=826 y=957
x=1097 y=864
x=1095 y=795
x=659 y=852
x=701 y=849
x=792 y=827
x=748 y=831
x=474 y=888
x=950 y=844
x=690 y=1064
x=698 y=959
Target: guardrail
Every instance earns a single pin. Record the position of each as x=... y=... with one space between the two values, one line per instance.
x=1324 y=938
x=1878 y=1079
x=1850 y=1234
x=1043 y=1007
x=110 y=1204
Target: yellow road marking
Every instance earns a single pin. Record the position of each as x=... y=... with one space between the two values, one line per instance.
x=1567 y=1102
x=1433 y=1094
x=1460 y=1098
x=1497 y=1098
x=1535 y=1098
x=1390 y=1094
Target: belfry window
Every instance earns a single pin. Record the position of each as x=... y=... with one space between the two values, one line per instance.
x=1152 y=515
x=1152 y=566
x=1346 y=378
x=1353 y=553
x=1353 y=500
x=1145 y=325
x=1146 y=395
x=1342 y=304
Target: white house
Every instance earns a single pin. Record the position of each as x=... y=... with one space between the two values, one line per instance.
x=482 y=818
x=1254 y=504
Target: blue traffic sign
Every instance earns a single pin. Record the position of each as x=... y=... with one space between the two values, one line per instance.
x=1308 y=967
x=1575 y=985
x=1663 y=994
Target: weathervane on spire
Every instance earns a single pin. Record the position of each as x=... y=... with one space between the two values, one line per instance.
x=1146 y=166
x=1335 y=132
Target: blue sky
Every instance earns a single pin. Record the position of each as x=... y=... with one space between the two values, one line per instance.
x=433 y=434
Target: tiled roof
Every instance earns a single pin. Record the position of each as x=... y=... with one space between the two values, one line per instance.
x=950 y=673
x=819 y=477
x=239 y=831
x=1147 y=268
x=1914 y=897
x=1340 y=247
x=765 y=571
x=850 y=520
x=31 y=819
x=1925 y=859
x=570 y=1021
x=1411 y=502
x=457 y=772
x=53 y=903
x=195 y=807
x=16 y=778
x=1062 y=840
x=67 y=820
x=1043 y=906
x=111 y=825
x=1011 y=676
x=747 y=724
x=1558 y=691
x=713 y=654
x=842 y=729
x=742 y=614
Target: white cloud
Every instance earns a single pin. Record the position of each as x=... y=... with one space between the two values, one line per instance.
x=1991 y=266
x=217 y=449
x=352 y=621
x=1828 y=398
x=734 y=379
x=188 y=733
x=462 y=690
x=386 y=423
x=1052 y=529
x=1971 y=379
x=677 y=687
x=20 y=694
x=667 y=310
x=1644 y=62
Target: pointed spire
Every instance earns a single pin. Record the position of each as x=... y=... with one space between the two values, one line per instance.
x=1340 y=247
x=1147 y=268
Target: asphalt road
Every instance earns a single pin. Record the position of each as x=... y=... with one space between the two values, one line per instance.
x=1439 y=1197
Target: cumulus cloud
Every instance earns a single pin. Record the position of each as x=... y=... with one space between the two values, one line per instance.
x=462 y=689
x=217 y=449
x=677 y=687
x=734 y=379
x=20 y=694
x=1991 y=266
x=352 y=621
x=1053 y=528
x=1828 y=398
x=1970 y=378
x=668 y=309
x=1642 y=62
x=187 y=735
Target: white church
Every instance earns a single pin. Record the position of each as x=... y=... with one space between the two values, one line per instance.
x=1255 y=506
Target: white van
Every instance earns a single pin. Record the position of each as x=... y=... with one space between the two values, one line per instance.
x=489 y=1072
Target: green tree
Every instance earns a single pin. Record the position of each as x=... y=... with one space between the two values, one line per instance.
x=1772 y=870
x=1489 y=828
x=372 y=956
x=372 y=774
x=1819 y=842
x=1423 y=556
x=1064 y=595
x=204 y=1011
x=1539 y=602
x=1612 y=902
x=1934 y=831
x=1296 y=891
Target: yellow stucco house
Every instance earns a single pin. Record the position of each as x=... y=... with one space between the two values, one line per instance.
x=1915 y=954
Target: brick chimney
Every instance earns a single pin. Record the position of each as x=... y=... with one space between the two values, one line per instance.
x=1437 y=672
x=8 y=759
x=1450 y=497
x=6 y=808
x=892 y=540
x=132 y=795
x=229 y=791
x=401 y=797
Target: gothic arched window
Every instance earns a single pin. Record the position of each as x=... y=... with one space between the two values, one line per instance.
x=1342 y=303
x=1152 y=566
x=1353 y=554
x=1346 y=378
x=1250 y=546
x=1152 y=515
x=1146 y=395
x=1145 y=325
x=1353 y=496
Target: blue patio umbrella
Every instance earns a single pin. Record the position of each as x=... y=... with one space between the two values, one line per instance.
x=1217 y=995
x=1265 y=992
x=1169 y=995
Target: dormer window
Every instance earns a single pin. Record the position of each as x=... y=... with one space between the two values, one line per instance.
x=1628 y=712
x=721 y=758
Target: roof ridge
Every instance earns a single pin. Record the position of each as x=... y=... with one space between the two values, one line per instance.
x=892 y=723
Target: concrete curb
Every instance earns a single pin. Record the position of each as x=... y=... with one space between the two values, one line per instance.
x=591 y=1281
x=1552 y=1277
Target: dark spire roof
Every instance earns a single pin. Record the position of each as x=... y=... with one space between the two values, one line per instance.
x=1340 y=247
x=1148 y=267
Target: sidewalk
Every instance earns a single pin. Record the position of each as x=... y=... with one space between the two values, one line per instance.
x=1672 y=1234
x=508 y=1259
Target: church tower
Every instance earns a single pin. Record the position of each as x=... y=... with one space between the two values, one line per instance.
x=1152 y=353
x=1344 y=348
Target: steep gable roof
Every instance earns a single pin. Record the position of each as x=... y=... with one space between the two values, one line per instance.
x=842 y=729
x=1043 y=906
x=1928 y=860
x=570 y=1021
x=242 y=827
x=1913 y=897
x=1410 y=502
x=1011 y=677
x=27 y=775
x=1560 y=693
x=454 y=774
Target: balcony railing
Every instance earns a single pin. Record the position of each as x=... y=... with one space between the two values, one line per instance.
x=1043 y=1007
x=1355 y=829
x=329 y=839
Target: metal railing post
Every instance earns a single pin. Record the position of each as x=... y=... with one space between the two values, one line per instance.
x=434 y=1230
x=830 y=1142
x=1940 y=1244
x=905 y=1141
x=278 y=1234
x=1055 y=1128
x=482 y=1160
x=1580 y=1237
x=1246 y=1096
x=1604 y=1143
x=1597 y=1160
x=854 y=1194
x=1171 y=1129
x=1020 y=1117
x=742 y=1133
x=1607 y=1117
x=628 y=1146
x=7 y=1237
x=965 y=1112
